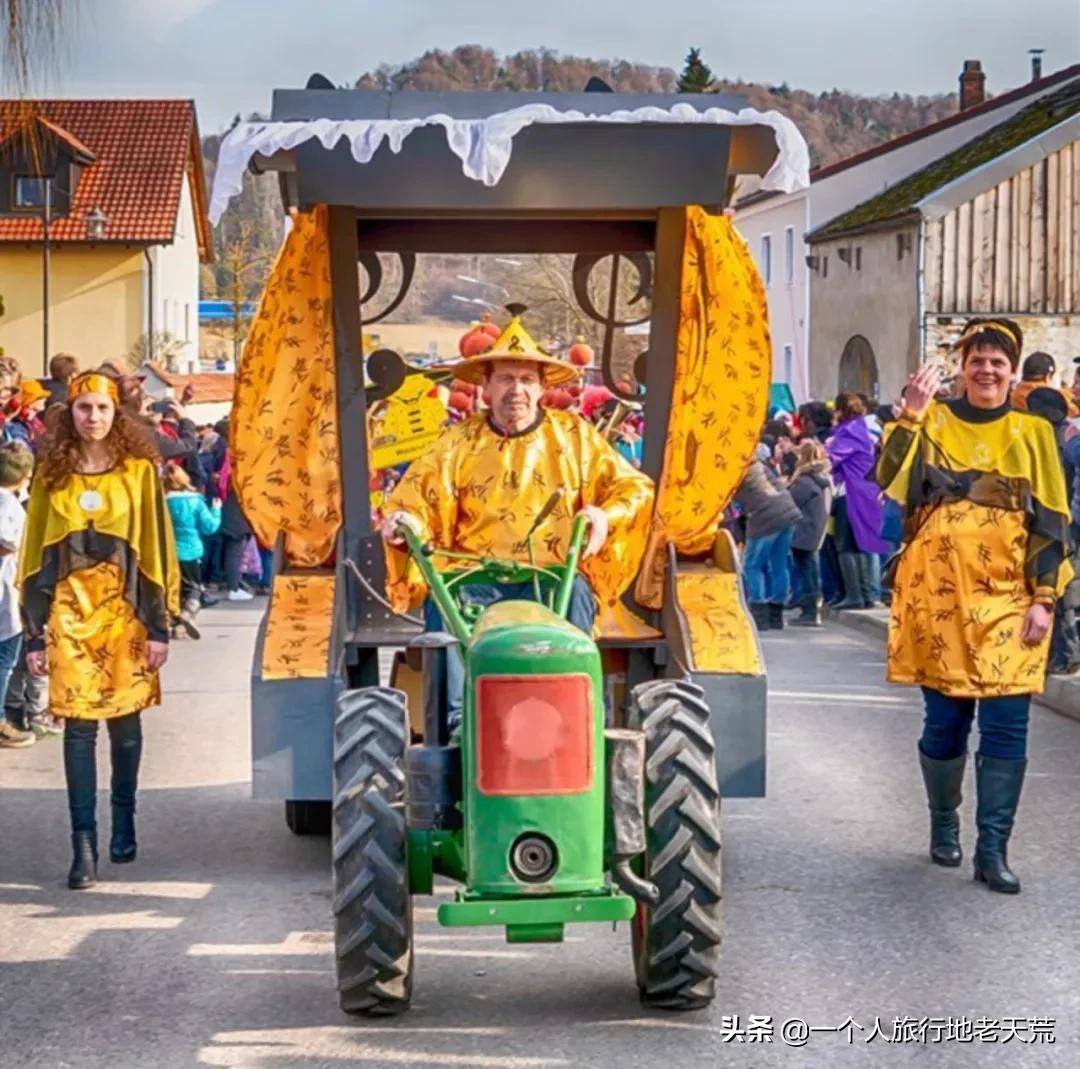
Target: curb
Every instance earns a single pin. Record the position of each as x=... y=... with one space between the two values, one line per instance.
x=1061 y=693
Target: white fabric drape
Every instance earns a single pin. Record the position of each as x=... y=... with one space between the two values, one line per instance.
x=484 y=145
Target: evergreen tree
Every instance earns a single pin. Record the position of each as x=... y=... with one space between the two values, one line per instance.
x=695 y=77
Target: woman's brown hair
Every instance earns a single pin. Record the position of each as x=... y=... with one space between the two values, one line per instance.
x=849 y=406
x=128 y=438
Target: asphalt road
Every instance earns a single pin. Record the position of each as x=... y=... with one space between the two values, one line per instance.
x=214 y=948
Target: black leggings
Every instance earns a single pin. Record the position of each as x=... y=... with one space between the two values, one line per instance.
x=80 y=765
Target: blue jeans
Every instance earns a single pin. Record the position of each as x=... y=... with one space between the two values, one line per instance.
x=806 y=563
x=582 y=614
x=1003 y=726
x=9 y=658
x=765 y=567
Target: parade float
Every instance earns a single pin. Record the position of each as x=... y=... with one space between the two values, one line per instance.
x=668 y=712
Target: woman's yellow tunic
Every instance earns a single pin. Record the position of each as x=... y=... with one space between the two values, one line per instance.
x=985 y=536
x=99 y=580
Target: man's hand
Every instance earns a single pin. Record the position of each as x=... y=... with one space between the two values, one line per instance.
x=400 y=519
x=1036 y=624
x=157 y=653
x=37 y=664
x=598 y=529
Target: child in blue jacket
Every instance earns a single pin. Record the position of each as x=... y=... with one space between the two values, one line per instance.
x=192 y=520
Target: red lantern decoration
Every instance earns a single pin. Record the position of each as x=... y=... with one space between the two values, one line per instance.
x=478 y=337
x=581 y=355
x=461 y=402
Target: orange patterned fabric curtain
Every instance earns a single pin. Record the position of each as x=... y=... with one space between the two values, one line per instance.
x=720 y=395
x=284 y=427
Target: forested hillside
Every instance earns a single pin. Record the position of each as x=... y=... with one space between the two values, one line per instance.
x=835 y=124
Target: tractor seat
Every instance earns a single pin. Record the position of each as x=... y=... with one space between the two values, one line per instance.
x=617 y=626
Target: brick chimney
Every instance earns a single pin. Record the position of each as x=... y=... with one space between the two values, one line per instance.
x=972 y=84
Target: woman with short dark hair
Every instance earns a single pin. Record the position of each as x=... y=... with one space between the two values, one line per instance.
x=983 y=561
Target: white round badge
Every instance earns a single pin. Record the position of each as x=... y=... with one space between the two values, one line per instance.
x=90 y=501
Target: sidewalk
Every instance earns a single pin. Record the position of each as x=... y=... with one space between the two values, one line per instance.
x=1062 y=693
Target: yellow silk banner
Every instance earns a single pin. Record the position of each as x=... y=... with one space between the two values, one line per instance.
x=298 y=627
x=719 y=398
x=284 y=427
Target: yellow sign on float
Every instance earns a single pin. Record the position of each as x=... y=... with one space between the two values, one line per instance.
x=409 y=424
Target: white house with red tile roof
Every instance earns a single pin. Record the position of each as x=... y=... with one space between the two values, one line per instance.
x=775 y=225
x=127 y=227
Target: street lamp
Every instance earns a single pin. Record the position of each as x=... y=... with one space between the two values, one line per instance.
x=96 y=221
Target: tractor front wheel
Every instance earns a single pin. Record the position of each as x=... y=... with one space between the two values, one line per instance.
x=373 y=937
x=677 y=942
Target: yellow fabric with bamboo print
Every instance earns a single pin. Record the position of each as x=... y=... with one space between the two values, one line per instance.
x=96 y=649
x=720 y=395
x=478 y=491
x=722 y=639
x=95 y=643
x=298 y=627
x=968 y=573
x=284 y=428
x=53 y=515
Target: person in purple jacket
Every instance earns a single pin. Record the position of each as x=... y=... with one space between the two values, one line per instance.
x=857 y=502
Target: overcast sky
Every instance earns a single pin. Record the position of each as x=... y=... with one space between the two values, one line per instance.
x=230 y=54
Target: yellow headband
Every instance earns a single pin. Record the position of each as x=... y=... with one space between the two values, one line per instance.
x=989 y=324
x=92 y=382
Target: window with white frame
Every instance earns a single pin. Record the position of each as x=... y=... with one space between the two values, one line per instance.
x=766 y=258
x=789 y=255
x=789 y=363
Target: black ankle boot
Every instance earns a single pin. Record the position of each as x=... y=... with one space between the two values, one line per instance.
x=944 y=782
x=999 y=783
x=759 y=610
x=122 y=845
x=776 y=616
x=83 y=872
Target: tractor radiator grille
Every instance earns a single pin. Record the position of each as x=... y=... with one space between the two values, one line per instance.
x=534 y=734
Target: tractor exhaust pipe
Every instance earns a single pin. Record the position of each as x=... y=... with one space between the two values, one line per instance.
x=626 y=799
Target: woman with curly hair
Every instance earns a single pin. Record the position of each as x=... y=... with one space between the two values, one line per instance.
x=100 y=582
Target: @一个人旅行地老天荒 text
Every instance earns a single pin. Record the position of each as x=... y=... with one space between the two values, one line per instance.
x=796 y=1032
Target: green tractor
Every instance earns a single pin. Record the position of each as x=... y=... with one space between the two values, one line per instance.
x=542 y=814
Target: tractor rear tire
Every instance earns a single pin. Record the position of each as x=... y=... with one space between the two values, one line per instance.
x=676 y=944
x=308 y=818
x=373 y=929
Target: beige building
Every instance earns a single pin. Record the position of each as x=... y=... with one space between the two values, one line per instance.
x=775 y=224
x=992 y=227
x=117 y=186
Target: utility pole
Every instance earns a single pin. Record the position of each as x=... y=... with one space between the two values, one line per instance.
x=45 y=277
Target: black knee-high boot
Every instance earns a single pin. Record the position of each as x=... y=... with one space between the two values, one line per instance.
x=944 y=783
x=80 y=772
x=998 y=783
x=125 y=737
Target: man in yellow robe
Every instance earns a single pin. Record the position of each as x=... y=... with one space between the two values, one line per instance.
x=482 y=485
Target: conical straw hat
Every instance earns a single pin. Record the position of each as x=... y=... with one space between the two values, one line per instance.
x=515 y=343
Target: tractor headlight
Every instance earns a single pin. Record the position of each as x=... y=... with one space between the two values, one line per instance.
x=534 y=734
